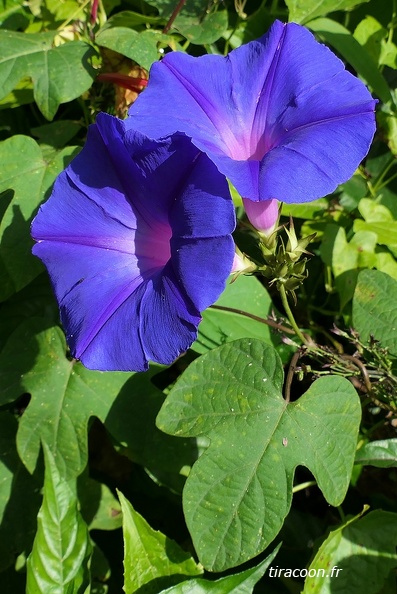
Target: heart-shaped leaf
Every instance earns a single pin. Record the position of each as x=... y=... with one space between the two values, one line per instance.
x=239 y=491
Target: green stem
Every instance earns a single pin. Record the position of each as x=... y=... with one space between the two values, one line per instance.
x=386 y=183
x=304 y=486
x=341 y=514
x=173 y=16
x=378 y=181
x=73 y=16
x=271 y=323
x=392 y=21
x=290 y=315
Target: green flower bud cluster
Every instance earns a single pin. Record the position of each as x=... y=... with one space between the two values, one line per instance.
x=283 y=262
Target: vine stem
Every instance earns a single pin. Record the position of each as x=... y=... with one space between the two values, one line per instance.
x=73 y=16
x=290 y=315
x=173 y=16
x=290 y=376
x=304 y=486
x=271 y=323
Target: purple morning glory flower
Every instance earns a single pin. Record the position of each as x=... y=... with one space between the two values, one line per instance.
x=132 y=253
x=280 y=116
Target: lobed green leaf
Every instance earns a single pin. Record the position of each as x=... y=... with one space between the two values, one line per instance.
x=64 y=395
x=239 y=491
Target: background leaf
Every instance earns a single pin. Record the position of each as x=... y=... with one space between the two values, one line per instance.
x=343 y=41
x=381 y=453
x=301 y=11
x=26 y=172
x=98 y=505
x=140 y=47
x=375 y=308
x=346 y=258
x=239 y=491
x=219 y=327
x=64 y=395
x=151 y=560
x=238 y=583
x=196 y=21
x=364 y=551
x=59 y=74
x=61 y=549
x=20 y=497
x=131 y=421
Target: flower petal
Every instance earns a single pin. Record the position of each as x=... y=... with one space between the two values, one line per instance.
x=168 y=321
x=284 y=93
x=202 y=221
x=105 y=237
x=203 y=283
x=92 y=288
x=204 y=207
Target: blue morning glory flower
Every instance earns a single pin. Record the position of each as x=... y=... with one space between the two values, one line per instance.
x=280 y=116
x=132 y=253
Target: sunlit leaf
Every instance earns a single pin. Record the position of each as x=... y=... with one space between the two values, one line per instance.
x=61 y=549
x=375 y=39
x=347 y=257
x=28 y=176
x=59 y=74
x=151 y=560
x=301 y=11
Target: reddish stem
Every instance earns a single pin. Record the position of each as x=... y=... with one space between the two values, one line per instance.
x=94 y=12
x=132 y=83
x=175 y=13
